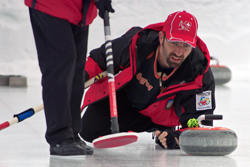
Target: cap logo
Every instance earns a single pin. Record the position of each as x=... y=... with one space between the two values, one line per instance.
x=185 y=26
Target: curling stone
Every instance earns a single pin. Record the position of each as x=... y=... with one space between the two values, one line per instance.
x=222 y=74
x=208 y=141
x=17 y=81
x=4 y=80
x=13 y=80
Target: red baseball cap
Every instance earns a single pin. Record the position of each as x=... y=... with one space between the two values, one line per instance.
x=181 y=27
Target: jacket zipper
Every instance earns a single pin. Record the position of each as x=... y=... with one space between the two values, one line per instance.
x=160 y=80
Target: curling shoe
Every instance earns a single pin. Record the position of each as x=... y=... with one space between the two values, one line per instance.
x=89 y=150
x=68 y=147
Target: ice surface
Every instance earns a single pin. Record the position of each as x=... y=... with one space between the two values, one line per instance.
x=223 y=25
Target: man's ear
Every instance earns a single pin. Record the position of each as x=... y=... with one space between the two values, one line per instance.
x=161 y=37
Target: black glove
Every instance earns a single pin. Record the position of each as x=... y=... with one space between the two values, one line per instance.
x=171 y=142
x=103 y=5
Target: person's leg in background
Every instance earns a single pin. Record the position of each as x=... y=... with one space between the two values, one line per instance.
x=96 y=119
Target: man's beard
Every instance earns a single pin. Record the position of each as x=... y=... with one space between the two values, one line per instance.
x=174 y=64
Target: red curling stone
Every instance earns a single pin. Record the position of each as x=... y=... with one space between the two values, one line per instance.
x=222 y=74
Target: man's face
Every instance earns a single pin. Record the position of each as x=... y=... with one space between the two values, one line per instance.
x=172 y=54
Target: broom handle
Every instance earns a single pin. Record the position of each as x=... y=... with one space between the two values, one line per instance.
x=111 y=78
x=31 y=111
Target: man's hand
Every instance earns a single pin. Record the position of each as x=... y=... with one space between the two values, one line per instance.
x=166 y=139
x=103 y=5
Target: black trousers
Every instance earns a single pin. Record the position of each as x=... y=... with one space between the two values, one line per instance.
x=61 y=48
x=96 y=119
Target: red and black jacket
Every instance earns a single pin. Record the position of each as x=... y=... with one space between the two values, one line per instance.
x=177 y=103
x=75 y=11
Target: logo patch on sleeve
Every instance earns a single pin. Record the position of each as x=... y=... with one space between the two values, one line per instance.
x=204 y=101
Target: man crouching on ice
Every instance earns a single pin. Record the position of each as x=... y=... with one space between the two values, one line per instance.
x=163 y=80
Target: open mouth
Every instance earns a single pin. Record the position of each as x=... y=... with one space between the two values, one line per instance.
x=175 y=59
